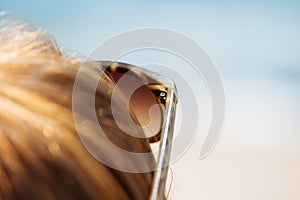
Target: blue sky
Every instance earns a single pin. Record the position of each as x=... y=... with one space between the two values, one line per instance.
x=238 y=35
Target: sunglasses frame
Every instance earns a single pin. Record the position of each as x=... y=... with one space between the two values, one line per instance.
x=166 y=134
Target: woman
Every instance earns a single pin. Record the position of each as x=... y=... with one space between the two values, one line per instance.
x=41 y=155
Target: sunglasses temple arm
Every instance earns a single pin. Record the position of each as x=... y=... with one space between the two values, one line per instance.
x=160 y=175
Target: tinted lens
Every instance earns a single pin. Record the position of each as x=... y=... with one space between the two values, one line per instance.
x=143 y=103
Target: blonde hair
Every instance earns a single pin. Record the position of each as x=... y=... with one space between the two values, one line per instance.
x=41 y=155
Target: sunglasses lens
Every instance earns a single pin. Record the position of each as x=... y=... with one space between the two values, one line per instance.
x=142 y=102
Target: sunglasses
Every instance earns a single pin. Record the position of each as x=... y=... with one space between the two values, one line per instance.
x=156 y=96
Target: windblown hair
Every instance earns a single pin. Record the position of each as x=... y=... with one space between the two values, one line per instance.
x=41 y=154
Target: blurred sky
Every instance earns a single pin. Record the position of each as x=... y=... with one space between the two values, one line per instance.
x=239 y=35
x=256 y=47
